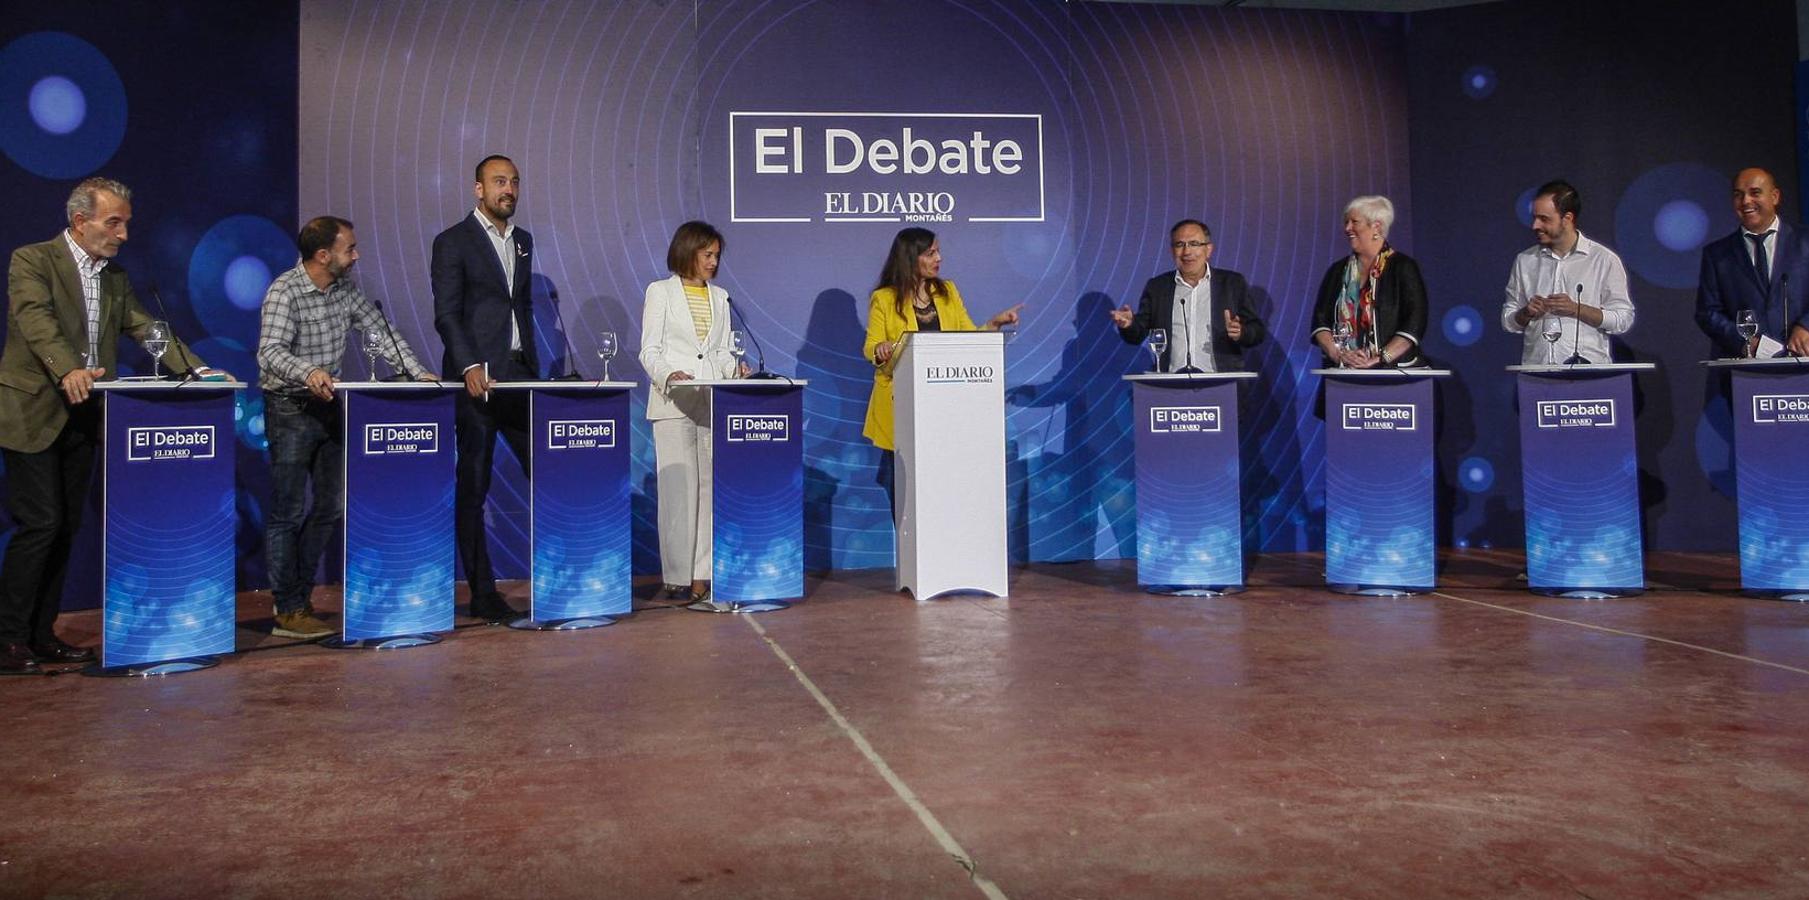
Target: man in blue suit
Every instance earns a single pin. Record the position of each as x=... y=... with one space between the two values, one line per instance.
x=484 y=315
x=1763 y=266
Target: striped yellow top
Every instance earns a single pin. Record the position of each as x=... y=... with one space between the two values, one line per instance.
x=699 y=299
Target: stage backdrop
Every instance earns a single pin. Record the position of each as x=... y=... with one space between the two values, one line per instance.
x=193 y=107
x=1050 y=145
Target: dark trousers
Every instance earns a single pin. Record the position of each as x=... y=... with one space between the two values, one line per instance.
x=45 y=494
x=478 y=423
x=306 y=443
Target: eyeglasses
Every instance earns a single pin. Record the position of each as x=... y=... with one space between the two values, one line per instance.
x=1191 y=245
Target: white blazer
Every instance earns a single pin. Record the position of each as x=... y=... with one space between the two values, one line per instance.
x=669 y=344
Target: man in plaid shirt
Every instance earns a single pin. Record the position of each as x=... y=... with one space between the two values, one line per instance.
x=307 y=312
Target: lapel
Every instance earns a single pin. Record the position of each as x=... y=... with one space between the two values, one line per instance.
x=480 y=236
x=1782 y=258
x=73 y=308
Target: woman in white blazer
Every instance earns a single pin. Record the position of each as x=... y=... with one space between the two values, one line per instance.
x=684 y=336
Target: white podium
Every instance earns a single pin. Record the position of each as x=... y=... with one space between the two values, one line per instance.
x=948 y=420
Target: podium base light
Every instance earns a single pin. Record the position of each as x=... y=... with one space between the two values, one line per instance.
x=393 y=642
x=738 y=606
x=1787 y=595
x=1376 y=590
x=1569 y=593
x=1194 y=590
x=575 y=624
x=152 y=670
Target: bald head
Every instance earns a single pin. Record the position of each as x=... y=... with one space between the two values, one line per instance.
x=1756 y=199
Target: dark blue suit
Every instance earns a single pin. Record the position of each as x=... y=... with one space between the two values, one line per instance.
x=472 y=307
x=1729 y=283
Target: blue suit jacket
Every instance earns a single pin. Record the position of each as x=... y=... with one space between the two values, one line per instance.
x=472 y=306
x=1729 y=283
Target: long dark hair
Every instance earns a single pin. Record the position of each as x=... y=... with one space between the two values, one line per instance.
x=900 y=270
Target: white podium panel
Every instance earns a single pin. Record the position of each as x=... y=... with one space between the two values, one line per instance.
x=949 y=424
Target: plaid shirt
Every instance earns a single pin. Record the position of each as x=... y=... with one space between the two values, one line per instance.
x=304 y=329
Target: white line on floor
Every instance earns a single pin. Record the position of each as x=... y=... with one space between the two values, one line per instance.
x=1604 y=628
x=903 y=790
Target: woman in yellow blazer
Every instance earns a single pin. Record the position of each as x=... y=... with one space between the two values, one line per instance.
x=911 y=296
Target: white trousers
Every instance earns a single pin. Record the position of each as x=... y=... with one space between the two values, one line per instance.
x=681 y=453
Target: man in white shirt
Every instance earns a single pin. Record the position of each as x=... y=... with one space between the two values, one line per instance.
x=1566 y=294
x=485 y=317
x=1752 y=269
x=1204 y=312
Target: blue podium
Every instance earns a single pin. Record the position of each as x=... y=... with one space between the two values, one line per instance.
x=1771 y=428
x=757 y=501
x=168 y=525
x=1580 y=470
x=581 y=537
x=400 y=471
x=1379 y=538
x=1189 y=500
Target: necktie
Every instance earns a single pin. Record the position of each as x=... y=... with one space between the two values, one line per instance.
x=1760 y=264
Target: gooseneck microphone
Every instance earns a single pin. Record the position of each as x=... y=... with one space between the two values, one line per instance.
x=565 y=336
x=1576 y=343
x=1784 y=288
x=188 y=364
x=760 y=351
x=1187 y=325
x=395 y=346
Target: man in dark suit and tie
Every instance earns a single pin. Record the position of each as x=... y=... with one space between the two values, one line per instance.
x=67 y=303
x=1763 y=266
x=1206 y=312
x=483 y=312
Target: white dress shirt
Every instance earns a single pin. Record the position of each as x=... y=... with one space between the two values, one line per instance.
x=87 y=271
x=503 y=242
x=1192 y=320
x=1540 y=272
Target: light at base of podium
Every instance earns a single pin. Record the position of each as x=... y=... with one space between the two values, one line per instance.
x=1175 y=590
x=153 y=670
x=394 y=642
x=737 y=606
x=580 y=623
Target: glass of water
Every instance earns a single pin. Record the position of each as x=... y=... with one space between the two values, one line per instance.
x=606 y=350
x=157 y=343
x=1551 y=328
x=373 y=347
x=1341 y=338
x=1747 y=323
x=1158 y=342
x=737 y=349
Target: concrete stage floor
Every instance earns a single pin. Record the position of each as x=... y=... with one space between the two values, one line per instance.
x=1080 y=739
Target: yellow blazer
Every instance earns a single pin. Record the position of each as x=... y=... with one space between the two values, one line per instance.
x=884 y=323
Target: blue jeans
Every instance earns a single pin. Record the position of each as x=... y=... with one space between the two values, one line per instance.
x=306 y=441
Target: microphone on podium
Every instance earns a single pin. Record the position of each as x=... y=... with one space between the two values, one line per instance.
x=1187 y=323
x=1784 y=289
x=1576 y=344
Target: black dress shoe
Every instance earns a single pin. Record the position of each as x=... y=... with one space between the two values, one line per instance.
x=56 y=651
x=493 y=609
x=17 y=659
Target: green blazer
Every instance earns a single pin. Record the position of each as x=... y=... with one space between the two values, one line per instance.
x=46 y=327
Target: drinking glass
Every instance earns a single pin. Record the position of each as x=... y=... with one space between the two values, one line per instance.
x=737 y=349
x=1158 y=342
x=606 y=350
x=1747 y=323
x=157 y=343
x=373 y=347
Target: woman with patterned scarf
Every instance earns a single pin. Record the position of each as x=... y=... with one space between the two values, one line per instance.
x=1374 y=295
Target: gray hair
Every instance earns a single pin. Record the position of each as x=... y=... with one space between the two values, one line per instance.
x=1373 y=209
x=81 y=200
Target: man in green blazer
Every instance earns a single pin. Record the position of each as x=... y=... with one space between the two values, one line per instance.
x=67 y=304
